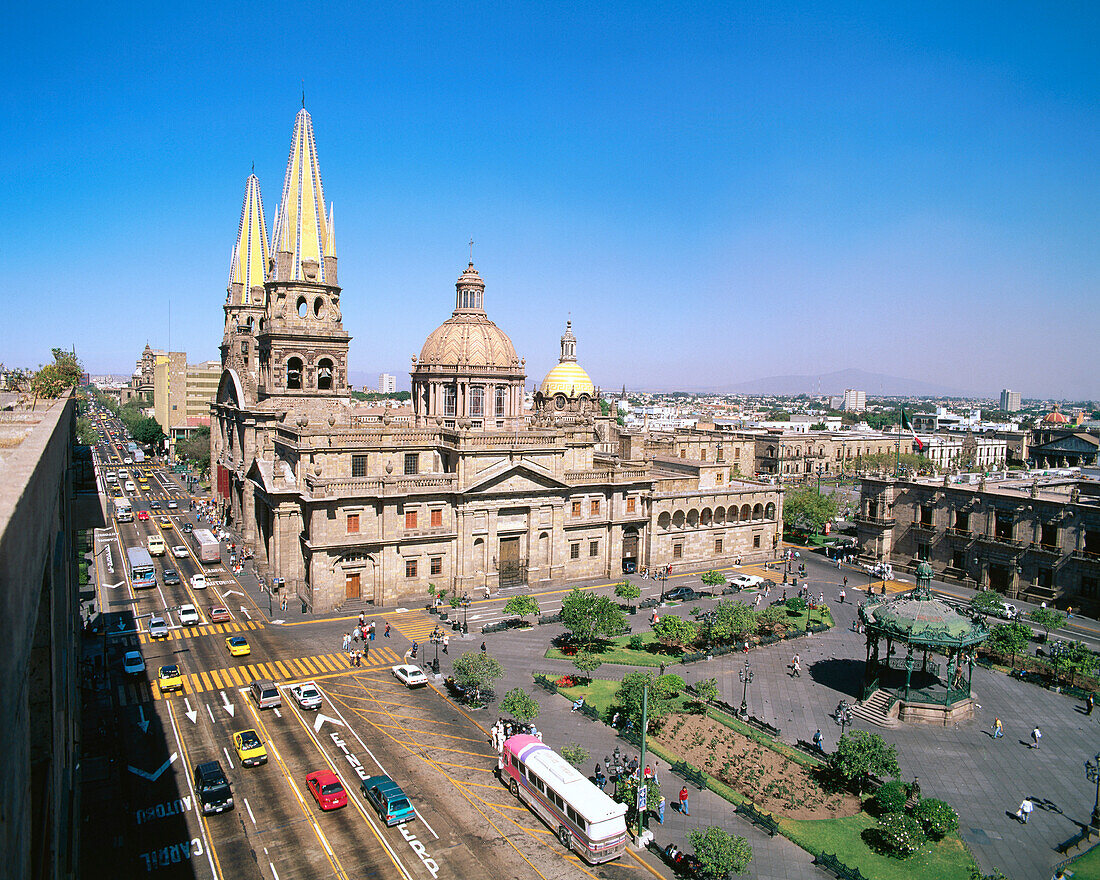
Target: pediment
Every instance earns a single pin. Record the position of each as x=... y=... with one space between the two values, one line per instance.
x=1072 y=443
x=515 y=476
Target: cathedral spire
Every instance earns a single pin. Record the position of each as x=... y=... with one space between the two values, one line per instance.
x=249 y=260
x=302 y=236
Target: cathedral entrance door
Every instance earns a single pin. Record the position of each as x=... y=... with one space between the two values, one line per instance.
x=511 y=569
x=630 y=551
x=351 y=586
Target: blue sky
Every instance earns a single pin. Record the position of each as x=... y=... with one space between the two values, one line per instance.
x=713 y=192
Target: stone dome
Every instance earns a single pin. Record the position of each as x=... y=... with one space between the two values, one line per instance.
x=468 y=338
x=568 y=378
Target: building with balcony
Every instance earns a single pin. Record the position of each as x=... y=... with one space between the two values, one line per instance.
x=1036 y=538
x=473 y=490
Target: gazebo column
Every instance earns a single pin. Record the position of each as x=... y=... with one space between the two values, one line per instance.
x=908 y=671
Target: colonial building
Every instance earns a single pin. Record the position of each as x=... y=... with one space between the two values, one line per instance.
x=1034 y=537
x=474 y=491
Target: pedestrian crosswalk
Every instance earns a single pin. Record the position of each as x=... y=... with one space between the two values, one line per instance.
x=233 y=677
x=414 y=625
x=210 y=629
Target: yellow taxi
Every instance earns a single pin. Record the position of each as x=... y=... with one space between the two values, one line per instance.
x=238 y=646
x=170 y=678
x=164 y=522
x=249 y=748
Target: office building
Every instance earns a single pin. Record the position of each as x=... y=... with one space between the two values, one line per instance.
x=1010 y=401
x=387 y=384
x=854 y=401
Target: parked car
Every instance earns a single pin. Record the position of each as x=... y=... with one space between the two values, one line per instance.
x=388 y=799
x=133 y=663
x=410 y=676
x=682 y=594
x=327 y=790
x=188 y=616
x=307 y=694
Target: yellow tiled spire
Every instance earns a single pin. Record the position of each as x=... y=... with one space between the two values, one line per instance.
x=301 y=227
x=249 y=261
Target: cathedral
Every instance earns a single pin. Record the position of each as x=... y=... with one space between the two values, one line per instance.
x=348 y=507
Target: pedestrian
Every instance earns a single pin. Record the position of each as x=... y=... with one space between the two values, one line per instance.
x=362 y=620
x=796 y=668
x=615 y=720
x=998 y=728
x=483 y=647
x=845 y=580
x=1090 y=701
x=818 y=738
x=684 y=801
x=387 y=632
x=366 y=648
x=757 y=603
x=661 y=810
x=842 y=594
x=283 y=604
x=1026 y=806
x=358 y=658
x=1036 y=735
x=446 y=642
x=647 y=773
x=370 y=629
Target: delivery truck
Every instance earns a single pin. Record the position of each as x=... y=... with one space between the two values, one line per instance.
x=207 y=547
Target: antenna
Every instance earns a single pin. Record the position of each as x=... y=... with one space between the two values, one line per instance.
x=303 y=94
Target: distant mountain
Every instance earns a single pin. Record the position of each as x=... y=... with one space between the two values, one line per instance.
x=875 y=384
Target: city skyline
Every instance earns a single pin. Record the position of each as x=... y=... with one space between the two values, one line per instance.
x=712 y=197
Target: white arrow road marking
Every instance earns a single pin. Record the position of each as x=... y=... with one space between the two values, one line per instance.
x=244 y=611
x=279 y=620
x=155 y=775
x=143 y=724
x=233 y=592
x=229 y=707
x=321 y=719
x=191 y=714
x=278 y=714
x=114 y=586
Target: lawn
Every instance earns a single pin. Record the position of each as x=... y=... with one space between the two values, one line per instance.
x=618 y=650
x=600 y=693
x=1088 y=866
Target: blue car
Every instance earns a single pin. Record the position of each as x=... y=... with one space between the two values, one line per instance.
x=388 y=799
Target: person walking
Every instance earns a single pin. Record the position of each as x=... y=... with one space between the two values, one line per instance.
x=483 y=647
x=362 y=620
x=661 y=810
x=684 y=801
x=1036 y=735
x=1090 y=701
x=842 y=594
x=818 y=739
x=446 y=642
x=1024 y=812
x=796 y=666
x=370 y=631
x=387 y=632
x=998 y=728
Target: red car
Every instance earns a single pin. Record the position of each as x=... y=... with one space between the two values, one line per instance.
x=327 y=790
x=143 y=515
x=218 y=614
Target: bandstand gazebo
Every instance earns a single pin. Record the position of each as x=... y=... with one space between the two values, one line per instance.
x=929 y=681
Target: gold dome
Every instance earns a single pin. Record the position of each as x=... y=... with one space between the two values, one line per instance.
x=471 y=340
x=568 y=378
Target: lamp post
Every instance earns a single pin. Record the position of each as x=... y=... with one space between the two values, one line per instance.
x=464 y=602
x=1092 y=773
x=843 y=717
x=746 y=676
x=436 y=638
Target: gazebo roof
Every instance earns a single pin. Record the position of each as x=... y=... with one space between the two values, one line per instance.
x=919 y=618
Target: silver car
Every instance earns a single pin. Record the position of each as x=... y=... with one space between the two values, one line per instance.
x=307 y=694
x=158 y=627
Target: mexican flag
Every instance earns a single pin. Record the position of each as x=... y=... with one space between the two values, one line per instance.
x=907 y=425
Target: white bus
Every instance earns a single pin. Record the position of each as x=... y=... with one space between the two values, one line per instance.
x=124 y=512
x=140 y=563
x=584 y=819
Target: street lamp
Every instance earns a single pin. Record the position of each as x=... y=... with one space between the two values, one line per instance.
x=1092 y=773
x=464 y=602
x=746 y=676
x=843 y=716
x=437 y=637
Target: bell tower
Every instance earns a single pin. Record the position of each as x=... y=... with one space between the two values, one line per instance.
x=302 y=347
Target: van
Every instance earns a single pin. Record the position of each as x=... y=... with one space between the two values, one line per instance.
x=156 y=545
x=212 y=788
x=266 y=694
x=130 y=487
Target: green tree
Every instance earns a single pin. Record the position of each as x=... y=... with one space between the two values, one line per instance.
x=859 y=754
x=808 y=509
x=1009 y=638
x=988 y=602
x=86 y=434
x=590 y=617
x=521 y=606
x=729 y=621
x=575 y=754
x=706 y=690
x=772 y=619
x=675 y=631
x=1074 y=658
x=662 y=691
x=53 y=379
x=586 y=663
x=520 y=705
x=196 y=449
x=937 y=818
x=476 y=671
x=626 y=792
x=720 y=853
x=627 y=591
x=713 y=578
x=1048 y=618
x=147 y=432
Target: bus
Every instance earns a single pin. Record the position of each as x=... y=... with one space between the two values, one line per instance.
x=142 y=573
x=585 y=819
x=124 y=512
x=207 y=547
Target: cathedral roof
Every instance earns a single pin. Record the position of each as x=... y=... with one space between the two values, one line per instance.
x=468 y=338
x=569 y=379
x=302 y=228
x=1055 y=418
x=249 y=261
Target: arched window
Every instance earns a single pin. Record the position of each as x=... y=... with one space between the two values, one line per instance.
x=450 y=400
x=678 y=519
x=706 y=517
x=720 y=515
x=303 y=309
x=746 y=513
x=693 y=518
x=294 y=373
x=758 y=511
x=324 y=375
x=769 y=512
x=477 y=401
x=500 y=401
x=664 y=521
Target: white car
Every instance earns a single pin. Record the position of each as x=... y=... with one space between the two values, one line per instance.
x=173 y=505
x=179 y=551
x=158 y=627
x=1009 y=611
x=188 y=615
x=198 y=581
x=133 y=663
x=746 y=581
x=307 y=694
x=410 y=676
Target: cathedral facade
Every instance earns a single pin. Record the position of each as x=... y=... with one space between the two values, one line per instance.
x=476 y=491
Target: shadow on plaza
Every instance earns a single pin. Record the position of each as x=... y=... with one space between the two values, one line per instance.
x=843 y=675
